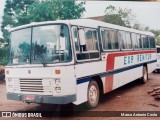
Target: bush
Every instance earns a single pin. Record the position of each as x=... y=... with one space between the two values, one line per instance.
x=3 y=55
x=2 y=72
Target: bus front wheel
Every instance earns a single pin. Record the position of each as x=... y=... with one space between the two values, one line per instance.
x=145 y=74
x=92 y=95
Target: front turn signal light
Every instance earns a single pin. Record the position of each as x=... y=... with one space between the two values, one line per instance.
x=57 y=72
x=7 y=71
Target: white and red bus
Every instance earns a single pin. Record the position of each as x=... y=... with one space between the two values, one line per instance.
x=158 y=58
x=73 y=61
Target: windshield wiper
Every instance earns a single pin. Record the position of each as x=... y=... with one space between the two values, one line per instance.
x=41 y=59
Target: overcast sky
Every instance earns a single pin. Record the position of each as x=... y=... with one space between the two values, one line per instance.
x=147 y=13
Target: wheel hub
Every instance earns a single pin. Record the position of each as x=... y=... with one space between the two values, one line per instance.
x=92 y=94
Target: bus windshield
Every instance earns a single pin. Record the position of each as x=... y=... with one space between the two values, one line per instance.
x=40 y=45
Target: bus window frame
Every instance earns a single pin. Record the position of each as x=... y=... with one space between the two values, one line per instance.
x=37 y=25
x=154 y=42
x=142 y=42
x=133 y=46
x=108 y=50
x=140 y=48
x=125 y=38
x=85 y=52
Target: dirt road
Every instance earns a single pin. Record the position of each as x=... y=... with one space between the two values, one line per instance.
x=131 y=97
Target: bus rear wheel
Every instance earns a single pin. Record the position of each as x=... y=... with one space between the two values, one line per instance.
x=92 y=95
x=145 y=75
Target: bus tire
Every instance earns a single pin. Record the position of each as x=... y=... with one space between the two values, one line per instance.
x=93 y=94
x=145 y=75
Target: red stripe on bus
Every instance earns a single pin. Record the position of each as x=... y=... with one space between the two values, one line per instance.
x=108 y=83
x=110 y=66
x=111 y=57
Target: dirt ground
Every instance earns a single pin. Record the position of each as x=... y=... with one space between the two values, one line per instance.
x=131 y=97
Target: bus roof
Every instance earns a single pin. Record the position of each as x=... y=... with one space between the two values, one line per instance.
x=84 y=22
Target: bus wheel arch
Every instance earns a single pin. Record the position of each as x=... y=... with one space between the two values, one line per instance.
x=100 y=83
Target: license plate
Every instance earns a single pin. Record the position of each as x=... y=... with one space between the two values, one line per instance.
x=29 y=98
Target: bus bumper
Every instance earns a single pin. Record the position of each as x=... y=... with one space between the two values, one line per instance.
x=43 y=98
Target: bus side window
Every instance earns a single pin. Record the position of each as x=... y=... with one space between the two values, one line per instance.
x=122 y=37
x=114 y=39
x=95 y=40
x=125 y=38
x=145 y=41
x=88 y=42
x=105 y=39
x=128 y=41
x=138 y=39
x=109 y=39
x=152 y=42
x=91 y=40
x=135 y=41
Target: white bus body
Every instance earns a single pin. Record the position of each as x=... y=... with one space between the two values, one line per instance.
x=158 y=58
x=96 y=57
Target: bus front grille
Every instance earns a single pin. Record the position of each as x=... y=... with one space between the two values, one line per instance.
x=35 y=86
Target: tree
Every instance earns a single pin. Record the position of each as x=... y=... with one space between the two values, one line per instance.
x=13 y=11
x=58 y=9
x=122 y=17
x=146 y=28
x=114 y=19
x=156 y=32
x=138 y=26
x=20 y=12
x=3 y=55
x=3 y=52
x=158 y=41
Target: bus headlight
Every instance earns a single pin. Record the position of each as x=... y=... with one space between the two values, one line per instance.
x=158 y=65
x=57 y=81
x=58 y=89
x=9 y=80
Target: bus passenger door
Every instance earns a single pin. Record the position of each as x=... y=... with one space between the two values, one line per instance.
x=86 y=49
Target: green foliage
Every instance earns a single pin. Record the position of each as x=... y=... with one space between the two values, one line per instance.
x=20 y=12
x=138 y=26
x=24 y=48
x=3 y=55
x=15 y=13
x=40 y=11
x=158 y=41
x=122 y=17
x=114 y=19
x=156 y=32
x=58 y=9
x=67 y=9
